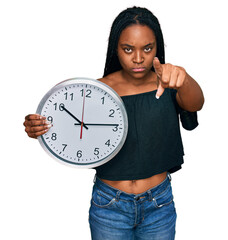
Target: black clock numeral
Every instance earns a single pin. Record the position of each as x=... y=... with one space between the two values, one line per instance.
x=108 y=143
x=88 y=93
x=115 y=129
x=96 y=151
x=50 y=119
x=112 y=112
x=70 y=96
x=102 y=100
x=79 y=153
x=60 y=107
x=64 y=147
x=53 y=136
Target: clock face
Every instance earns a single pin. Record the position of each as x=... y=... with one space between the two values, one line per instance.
x=89 y=122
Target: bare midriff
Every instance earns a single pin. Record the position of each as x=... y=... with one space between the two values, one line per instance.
x=137 y=186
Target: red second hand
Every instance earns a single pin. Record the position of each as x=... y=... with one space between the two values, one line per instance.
x=82 y=113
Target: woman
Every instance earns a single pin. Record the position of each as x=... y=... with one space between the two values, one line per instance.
x=132 y=196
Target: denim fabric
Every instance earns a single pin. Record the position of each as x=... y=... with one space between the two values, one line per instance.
x=116 y=215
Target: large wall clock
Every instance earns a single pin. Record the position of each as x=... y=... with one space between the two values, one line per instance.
x=89 y=122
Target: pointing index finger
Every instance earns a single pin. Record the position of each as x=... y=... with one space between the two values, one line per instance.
x=157 y=67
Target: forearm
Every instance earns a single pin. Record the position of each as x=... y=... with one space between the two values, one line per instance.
x=190 y=96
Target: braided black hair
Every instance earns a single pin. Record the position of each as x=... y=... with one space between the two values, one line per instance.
x=130 y=16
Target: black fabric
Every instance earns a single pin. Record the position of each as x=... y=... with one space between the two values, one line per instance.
x=189 y=120
x=153 y=143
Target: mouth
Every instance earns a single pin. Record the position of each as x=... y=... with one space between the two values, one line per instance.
x=138 y=70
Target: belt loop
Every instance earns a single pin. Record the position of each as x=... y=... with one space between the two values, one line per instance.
x=169 y=176
x=150 y=195
x=118 y=195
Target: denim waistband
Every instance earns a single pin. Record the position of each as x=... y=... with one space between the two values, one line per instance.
x=121 y=195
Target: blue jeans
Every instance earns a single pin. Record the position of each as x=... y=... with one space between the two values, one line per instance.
x=116 y=215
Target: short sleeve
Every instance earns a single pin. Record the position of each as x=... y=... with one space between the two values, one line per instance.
x=189 y=120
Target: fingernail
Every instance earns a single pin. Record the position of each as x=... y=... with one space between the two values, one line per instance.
x=157 y=97
x=47 y=122
x=49 y=125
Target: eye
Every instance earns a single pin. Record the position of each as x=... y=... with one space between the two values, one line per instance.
x=147 y=49
x=128 y=50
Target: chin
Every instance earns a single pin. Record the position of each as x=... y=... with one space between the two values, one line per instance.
x=139 y=75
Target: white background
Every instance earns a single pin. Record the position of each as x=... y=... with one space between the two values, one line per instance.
x=45 y=42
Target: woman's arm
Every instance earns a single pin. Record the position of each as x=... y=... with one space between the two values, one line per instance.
x=189 y=95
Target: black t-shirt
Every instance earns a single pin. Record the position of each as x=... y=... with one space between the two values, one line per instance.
x=153 y=144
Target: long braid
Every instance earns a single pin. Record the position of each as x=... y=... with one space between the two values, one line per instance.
x=130 y=16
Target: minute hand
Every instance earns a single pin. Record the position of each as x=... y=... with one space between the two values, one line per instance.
x=74 y=117
x=99 y=124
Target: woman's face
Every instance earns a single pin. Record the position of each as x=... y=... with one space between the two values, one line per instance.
x=136 y=50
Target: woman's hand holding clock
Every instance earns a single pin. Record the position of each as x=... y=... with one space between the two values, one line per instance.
x=36 y=125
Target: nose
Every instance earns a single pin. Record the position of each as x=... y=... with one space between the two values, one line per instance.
x=138 y=57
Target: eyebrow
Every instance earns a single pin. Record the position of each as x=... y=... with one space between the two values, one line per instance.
x=130 y=46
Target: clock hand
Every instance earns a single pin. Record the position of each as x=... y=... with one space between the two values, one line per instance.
x=83 y=107
x=74 y=117
x=99 y=124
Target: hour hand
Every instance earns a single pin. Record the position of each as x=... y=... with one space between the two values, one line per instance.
x=74 y=117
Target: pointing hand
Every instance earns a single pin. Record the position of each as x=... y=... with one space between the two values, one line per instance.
x=168 y=76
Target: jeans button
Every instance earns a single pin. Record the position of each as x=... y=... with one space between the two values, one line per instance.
x=137 y=198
